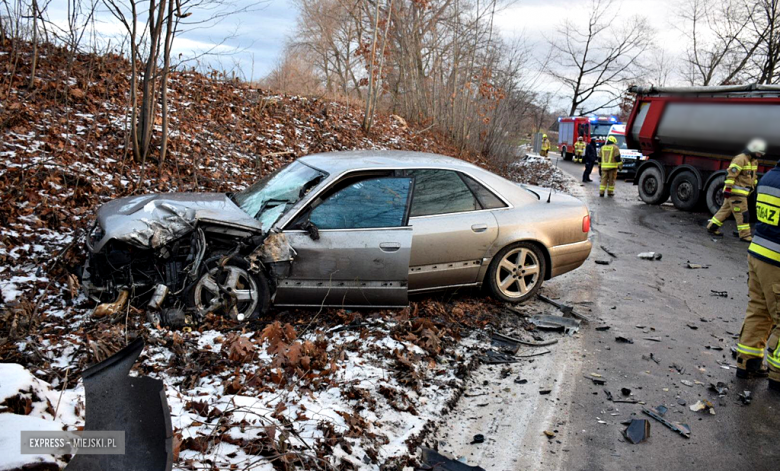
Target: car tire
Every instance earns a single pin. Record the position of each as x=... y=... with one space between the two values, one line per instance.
x=713 y=195
x=237 y=276
x=685 y=191
x=505 y=265
x=651 y=187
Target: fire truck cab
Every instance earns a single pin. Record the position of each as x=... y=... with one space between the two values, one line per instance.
x=569 y=129
x=588 y=127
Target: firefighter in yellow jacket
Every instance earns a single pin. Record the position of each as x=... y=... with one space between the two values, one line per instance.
x=579 y=149
x=761 y=328
x=609 y=163
x=740 y=182
x=545 y=146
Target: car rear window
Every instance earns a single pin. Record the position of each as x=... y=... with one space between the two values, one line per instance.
x=440 y=192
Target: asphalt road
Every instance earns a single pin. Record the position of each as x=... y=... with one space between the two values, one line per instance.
x=665 y=299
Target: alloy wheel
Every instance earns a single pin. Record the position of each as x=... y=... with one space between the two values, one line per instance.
x=518 y=272
x=229 y=291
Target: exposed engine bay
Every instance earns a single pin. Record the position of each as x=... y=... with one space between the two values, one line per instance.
x=169 y=255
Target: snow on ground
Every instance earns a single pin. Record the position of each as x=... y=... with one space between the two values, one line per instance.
x=355 y=390
x=27 y=403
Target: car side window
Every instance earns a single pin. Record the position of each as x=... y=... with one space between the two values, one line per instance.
x=377 y=202
x=440 y=192
x=486 y=197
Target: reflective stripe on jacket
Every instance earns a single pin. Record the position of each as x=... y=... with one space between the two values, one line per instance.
x=545 y=144
x=766 y=239
x=610 y=157
x=579 y=147
x=741 y=176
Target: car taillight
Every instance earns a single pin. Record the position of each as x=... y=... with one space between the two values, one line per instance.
x=586 y=224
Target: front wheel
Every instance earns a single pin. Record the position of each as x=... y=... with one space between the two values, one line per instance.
x=516 y=272
x=651 y=187
x=565 y=153
x=228 y=288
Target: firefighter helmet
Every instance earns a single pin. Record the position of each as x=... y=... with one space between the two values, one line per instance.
x=612 y=140
x=579 y=138
x=544 y=136
x=757 y=146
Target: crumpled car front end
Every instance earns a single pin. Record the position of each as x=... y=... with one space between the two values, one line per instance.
x=144 y=248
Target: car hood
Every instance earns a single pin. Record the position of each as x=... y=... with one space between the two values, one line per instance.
x=151 y=221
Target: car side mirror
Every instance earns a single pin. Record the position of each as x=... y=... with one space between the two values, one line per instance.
x=312 y=230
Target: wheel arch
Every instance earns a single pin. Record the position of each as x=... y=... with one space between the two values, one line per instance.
x=535 y=242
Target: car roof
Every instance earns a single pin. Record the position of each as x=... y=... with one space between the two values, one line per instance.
x=338 y=162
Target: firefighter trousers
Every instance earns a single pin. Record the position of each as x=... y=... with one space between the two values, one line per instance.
x=544 y=152
x=762 y=319
x=608 y=178
x=577 y=157
x=739 y=208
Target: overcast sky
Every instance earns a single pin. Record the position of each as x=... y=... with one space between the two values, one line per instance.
x=255 y=38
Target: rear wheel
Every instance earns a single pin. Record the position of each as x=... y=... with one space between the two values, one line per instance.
x=713 y=195
x=565 y=153
x=516 y=273
x=685 y=191
x=651 y=187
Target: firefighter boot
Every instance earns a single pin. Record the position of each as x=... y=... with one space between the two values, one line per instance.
x=753 y=368
x=714 y=227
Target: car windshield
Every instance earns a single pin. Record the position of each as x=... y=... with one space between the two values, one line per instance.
x=270 y=197
x=600 y=130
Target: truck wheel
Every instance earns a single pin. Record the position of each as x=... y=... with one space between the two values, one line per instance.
x=685 y=191
x=713 y=195
x=565 y=153
x=651 y=187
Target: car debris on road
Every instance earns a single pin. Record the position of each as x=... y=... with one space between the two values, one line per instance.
x=570 y=326
x=650 y=256
x=704 y=405
x=638 y=430
x=658 y=413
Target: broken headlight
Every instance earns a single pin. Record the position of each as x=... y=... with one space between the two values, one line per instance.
x=95 y=235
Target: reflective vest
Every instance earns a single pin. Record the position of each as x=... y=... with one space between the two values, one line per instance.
x=610 y=157
x=579 y=147
x=766 y=237
x=741 y=176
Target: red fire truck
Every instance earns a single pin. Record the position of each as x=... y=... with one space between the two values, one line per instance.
x=691 y=135
x=588 y=127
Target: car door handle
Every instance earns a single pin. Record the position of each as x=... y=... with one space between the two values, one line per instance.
x=479 y=227
x=389 y=246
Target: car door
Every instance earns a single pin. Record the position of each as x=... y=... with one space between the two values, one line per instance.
x=453 y=228
x=356 y=249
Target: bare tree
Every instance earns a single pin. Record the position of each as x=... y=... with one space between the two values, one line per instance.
x=595 y=57
x=435 y=62
x=721 y=40
x=766 y=31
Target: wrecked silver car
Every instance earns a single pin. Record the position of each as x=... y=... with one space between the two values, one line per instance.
x=364 y=228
